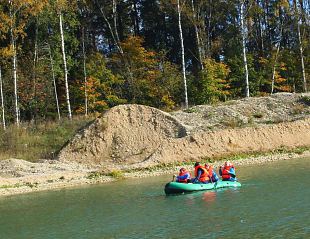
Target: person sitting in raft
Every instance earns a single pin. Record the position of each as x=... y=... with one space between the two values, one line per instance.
x=184 y=176
x=214 y=178
x=201 y=174
x=227 y=171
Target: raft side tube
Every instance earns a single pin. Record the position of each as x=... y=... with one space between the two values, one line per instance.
x=177 y=188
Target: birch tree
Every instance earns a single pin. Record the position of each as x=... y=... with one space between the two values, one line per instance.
x=64 y=64
x=54 y=80
x=245 y=62
x=85 y=73
x=182 y=52
x=2 y=100
x=199 y=48
x=12 y=13
x=114 y=32
x=35 y=59
x=298 y=18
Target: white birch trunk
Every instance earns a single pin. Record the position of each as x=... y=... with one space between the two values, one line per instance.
x=35 y=69
x=209 y=30
x=115 y=22
x=301 y=55
x=243 y=32
x=274 y=68
x=2 y=101
x=197 y=35
x=65 y=66
x=182 y=50
x=115 y=38
x=85 y=73
x=54 y=81
x=14 y=56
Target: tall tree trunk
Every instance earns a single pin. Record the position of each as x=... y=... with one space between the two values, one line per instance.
x=54 y=81
x=182 y=50
x=65 y=66
x=114 y=35
x=274 y=67
x=135 y=17
x=243 y=32
x=277 y=53
x=197 y=35
x=2 y=101
x=260 y=29
x=34 y=76
x=14 y=59
x=85 y=73
x=209 y=45
x=301 y=48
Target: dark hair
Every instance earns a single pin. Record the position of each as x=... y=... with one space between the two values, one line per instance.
x=196 y=164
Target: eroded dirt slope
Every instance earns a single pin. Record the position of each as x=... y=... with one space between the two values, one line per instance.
x=130 y=136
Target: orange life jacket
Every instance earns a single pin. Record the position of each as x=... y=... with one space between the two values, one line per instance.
x=210 y=170
x=204 y=175
x=182 y=174
x=225 y=172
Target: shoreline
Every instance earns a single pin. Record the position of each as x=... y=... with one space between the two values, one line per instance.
x=55 y=181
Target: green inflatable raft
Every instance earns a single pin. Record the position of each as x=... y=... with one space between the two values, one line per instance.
x=176 y=188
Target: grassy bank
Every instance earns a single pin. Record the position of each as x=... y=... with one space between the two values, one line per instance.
x=38 y=141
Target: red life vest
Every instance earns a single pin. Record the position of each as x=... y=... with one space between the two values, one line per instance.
x=204 y=175
x=225 y=172
x=182 y=174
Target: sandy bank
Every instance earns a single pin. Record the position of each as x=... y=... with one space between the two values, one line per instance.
x=138 y=139
x=68 y=178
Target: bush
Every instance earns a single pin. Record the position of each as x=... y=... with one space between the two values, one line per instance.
x=305 y=100
x=118 y=174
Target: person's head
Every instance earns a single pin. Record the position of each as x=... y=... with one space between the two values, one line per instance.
x=207 y=165
x=196 y=164
x=226 y=163
x=182 y=170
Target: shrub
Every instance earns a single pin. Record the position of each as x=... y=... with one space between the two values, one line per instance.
x=118 y=174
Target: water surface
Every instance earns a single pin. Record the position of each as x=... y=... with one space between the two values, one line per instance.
x=273 y=202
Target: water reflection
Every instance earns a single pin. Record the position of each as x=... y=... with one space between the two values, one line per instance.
x=209 y=196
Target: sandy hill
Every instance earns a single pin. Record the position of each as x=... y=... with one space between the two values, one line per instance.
x=130 y=136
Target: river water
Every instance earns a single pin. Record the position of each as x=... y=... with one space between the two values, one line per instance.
x=273 y=202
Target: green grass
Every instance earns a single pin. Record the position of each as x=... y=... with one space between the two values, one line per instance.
x=17 y=185
x=43 y=140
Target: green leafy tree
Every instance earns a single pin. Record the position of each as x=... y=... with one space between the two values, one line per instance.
x=213 y=82
x=104 y=89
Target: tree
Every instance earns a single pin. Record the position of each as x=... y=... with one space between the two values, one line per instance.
x=182 y=54
x=65 y=64
x=298 y=19
x=16 y=15
x=213 y=85
x=2 y=100
x=104 y=89
x=243 y=33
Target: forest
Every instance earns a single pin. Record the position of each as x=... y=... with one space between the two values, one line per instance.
x=60 y=58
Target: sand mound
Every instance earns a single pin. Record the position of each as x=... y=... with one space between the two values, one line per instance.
x=130 y=136
x=126 y=134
